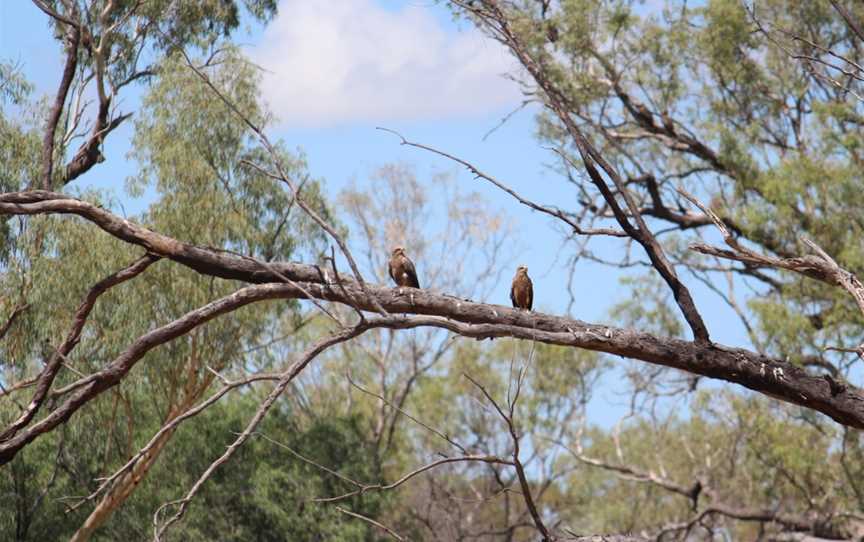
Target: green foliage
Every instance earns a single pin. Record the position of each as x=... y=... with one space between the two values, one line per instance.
x=158 y=28
x=264 y=493
x=14 y=88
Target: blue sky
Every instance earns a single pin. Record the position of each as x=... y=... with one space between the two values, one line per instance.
x=334 y=73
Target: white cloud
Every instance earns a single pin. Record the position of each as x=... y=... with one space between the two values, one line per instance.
x=337 y=61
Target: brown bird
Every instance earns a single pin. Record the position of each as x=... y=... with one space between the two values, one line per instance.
x=668 y=123
x=402 y=269
x=522 y=290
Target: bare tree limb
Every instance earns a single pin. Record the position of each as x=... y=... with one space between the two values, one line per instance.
x=379 y=487
x=821 y=267
x=73 y=38
x=631 y=473
x=761 y=373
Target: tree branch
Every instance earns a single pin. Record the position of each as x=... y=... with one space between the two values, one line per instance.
x=770 y=376
x=556 y=213
x=73 y=38
x=381 y=526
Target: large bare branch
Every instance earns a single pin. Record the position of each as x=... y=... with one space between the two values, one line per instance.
x=764 y=374
x=820 y=266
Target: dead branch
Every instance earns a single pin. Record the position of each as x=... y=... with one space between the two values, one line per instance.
x=630 y=473
x=364 y=488
x=761 y=373
x=527 y=495
x=821 y=267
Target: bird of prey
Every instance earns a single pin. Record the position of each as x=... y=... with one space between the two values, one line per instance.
x=667 y=122
x=402 y=269
x=522 y=290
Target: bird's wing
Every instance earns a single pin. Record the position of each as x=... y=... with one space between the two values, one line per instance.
x=411 y=272
x=530 y=287
x=391 y=271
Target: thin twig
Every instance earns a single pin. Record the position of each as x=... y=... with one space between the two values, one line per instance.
x=381 y=526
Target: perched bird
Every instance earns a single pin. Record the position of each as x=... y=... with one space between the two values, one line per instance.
x=522 y=290
x=644 y=113
x=402 y=269
x=668 y=123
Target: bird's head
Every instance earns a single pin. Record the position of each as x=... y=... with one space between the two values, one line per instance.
x=522 y=269
x=398 y=251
